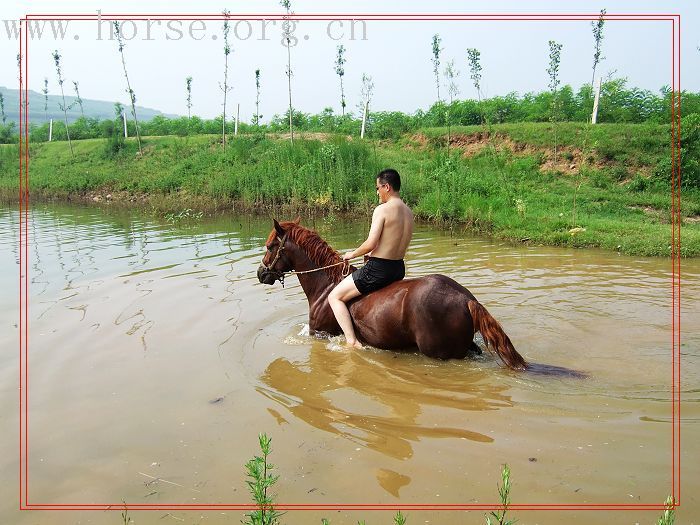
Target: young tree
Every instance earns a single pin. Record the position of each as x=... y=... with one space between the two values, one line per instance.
x=225 y=88
x=45 y=91
x=64 y=107
x=553 y=71
x=115 y=132
x=2 y=109
x=474 y=57
x=257 y=116
x=451 y=74
x=132 y=95
x=188 y=81
x=436 y=62
x=598 y=38
x=340 y=70
x=287 y=38
x=366 y=96
x=78 y=99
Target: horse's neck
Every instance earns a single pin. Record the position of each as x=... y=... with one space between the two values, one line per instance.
x=316 y=285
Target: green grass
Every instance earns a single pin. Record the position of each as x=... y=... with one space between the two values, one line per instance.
x=514 y=195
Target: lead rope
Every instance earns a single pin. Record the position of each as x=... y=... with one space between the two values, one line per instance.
x=346 y=269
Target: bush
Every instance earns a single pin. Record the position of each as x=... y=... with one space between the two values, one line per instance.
x=690 y=151
x=7 y=134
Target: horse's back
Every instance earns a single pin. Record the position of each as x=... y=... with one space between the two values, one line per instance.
x=428 y=312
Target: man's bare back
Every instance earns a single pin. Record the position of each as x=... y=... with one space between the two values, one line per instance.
x=396 y=229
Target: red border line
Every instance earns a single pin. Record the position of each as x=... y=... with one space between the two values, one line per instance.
x=24 y=253
x=533 y=18
x=21 y=294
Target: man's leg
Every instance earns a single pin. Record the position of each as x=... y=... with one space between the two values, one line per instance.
x=343 y=292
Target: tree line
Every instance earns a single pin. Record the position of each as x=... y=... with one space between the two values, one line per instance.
x=619 y=104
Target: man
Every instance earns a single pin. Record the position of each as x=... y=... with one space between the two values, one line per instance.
x=387 y=242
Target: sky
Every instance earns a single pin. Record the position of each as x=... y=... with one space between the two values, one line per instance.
x=396 y=54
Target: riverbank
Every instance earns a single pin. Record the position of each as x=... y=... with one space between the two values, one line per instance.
x=604 y=187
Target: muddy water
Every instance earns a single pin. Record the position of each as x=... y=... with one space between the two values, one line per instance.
x=155 y=360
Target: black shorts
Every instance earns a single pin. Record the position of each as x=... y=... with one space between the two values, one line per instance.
x=378 y=273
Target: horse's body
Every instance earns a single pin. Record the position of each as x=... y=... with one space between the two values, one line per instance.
x=433 y=313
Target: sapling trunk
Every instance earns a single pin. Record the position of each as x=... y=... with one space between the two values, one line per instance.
x=132 y=94
x=64 y=107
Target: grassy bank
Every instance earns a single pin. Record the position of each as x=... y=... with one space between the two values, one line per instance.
x=605 y=187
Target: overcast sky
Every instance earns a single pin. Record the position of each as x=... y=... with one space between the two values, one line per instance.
x=396 y=54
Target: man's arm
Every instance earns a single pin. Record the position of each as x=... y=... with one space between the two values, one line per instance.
x=375 y=232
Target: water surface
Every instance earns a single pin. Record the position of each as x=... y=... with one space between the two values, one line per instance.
x=156 y=358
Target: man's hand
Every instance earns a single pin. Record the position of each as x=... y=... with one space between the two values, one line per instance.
x=348 y=256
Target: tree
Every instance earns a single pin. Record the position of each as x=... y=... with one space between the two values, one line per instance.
x=78 y=99
x=474 y=57
x=436 y=62
x=132 y=95
x=553 y=71
x=188 y=81
x=451 y=74
x=257 y=116
x=366 y=94
x=64 y=107
x=340 y=70
x=287 y=39
x=598 y=39
x=2 y=109
x=225 y=88
x=45 y=91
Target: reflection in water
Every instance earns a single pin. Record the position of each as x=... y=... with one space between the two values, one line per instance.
x=376 y=399
x=392 y=481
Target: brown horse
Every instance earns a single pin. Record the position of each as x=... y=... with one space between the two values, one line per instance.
x=434 y=313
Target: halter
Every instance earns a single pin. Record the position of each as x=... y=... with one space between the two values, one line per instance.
x=280 y=249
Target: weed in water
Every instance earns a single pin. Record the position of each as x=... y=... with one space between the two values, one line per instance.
x=260 y=482
x=669 y=515
x=504 y=493
x=125 y=515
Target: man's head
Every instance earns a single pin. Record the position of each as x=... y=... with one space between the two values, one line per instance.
x=388 y=181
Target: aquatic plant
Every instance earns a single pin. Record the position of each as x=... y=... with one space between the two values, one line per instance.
x=260 y=481
x=504 y=494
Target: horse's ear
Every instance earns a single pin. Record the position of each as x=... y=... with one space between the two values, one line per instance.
x=297 y=220
x=280 y=230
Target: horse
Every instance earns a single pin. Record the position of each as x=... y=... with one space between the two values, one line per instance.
x=434 y=313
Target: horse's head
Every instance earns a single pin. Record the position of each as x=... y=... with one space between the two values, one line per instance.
x=278 y=257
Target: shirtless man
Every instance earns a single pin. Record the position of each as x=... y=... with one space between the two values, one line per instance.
x=387 y=242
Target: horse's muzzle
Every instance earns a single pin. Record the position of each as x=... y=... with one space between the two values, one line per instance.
x=266 y=276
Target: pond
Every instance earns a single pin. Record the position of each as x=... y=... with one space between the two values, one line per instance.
x=156 y=358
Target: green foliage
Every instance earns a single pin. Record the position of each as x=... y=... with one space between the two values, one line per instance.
x=114 y=131
x=690 y=151
x=498 y=189
x=504 y=493
x=8 y=134
x=260 y=481
x=669 y=515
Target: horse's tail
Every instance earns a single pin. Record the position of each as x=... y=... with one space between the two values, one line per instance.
x=494 y=336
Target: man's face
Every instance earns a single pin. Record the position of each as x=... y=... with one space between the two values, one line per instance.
x=382 y=191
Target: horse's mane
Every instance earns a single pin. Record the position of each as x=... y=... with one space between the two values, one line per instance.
x=318 y=250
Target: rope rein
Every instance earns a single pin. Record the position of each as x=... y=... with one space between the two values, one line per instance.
x=280 y=249
x=346 y=270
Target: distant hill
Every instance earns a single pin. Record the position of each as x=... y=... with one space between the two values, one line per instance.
x=99 y=109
